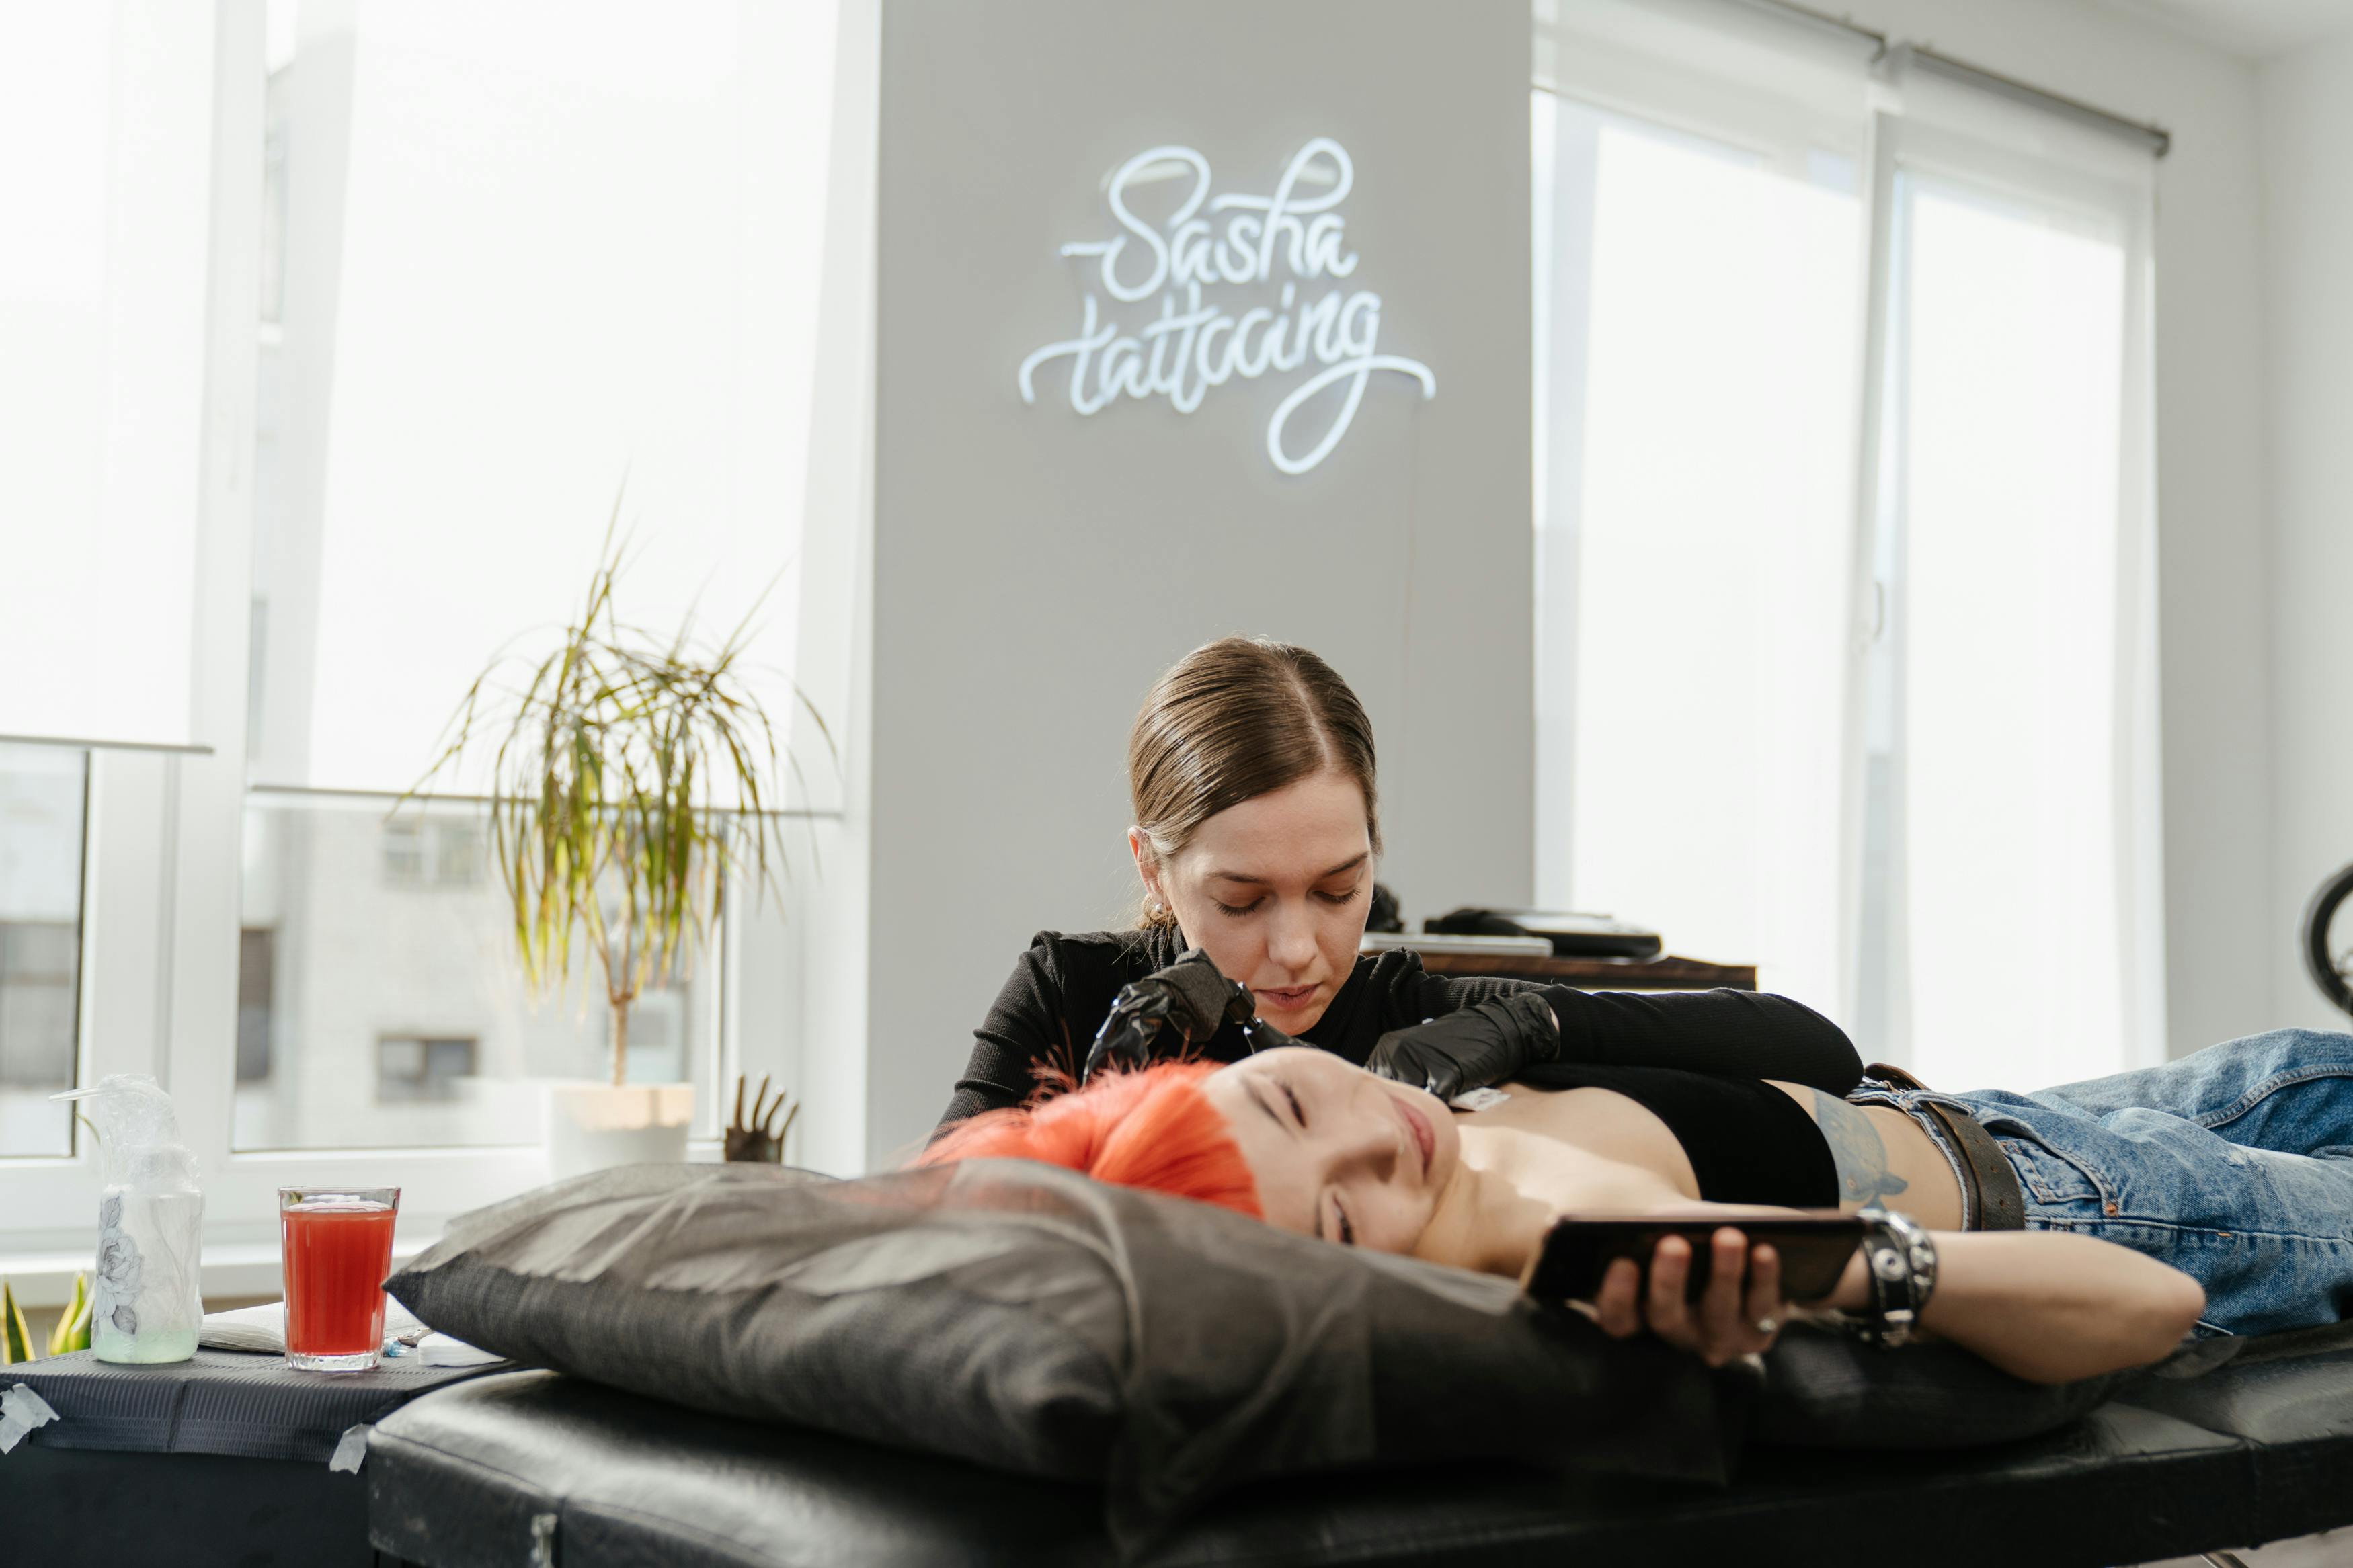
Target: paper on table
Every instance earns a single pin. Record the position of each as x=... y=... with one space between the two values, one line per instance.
x=441 y=1349
x=263 y=1328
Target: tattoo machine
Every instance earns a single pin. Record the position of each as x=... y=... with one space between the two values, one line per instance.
x=1167 y=1012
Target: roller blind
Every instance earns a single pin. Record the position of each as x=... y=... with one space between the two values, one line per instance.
x=529 y=262
x=2012 y=737
x=1845 y=549
x=105 y=180
x=1700 y=227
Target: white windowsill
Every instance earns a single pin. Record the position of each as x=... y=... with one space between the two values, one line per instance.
x=230 y=1269
x=43 y=1276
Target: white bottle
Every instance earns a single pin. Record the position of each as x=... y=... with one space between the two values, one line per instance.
x=147 y=1303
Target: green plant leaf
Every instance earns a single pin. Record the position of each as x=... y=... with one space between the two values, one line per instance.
x=15 y=1338
x=72 y=1332
x=607 y=756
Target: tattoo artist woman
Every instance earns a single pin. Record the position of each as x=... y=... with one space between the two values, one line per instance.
x=1250 y=770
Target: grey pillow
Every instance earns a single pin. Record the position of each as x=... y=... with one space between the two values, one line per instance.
x=1025 y=1317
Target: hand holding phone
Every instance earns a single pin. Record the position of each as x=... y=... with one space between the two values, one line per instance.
x=1579 y=1251
x=1714 y=1287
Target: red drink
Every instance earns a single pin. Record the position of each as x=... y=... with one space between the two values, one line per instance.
x=338 y=1249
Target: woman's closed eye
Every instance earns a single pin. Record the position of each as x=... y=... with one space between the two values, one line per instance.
x=1242 y=912
x=1342 y=1230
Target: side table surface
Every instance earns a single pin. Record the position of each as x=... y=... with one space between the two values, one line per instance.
x=235 y=1403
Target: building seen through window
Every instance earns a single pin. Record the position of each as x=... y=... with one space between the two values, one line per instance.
x=407 y=1067
x=43 y=795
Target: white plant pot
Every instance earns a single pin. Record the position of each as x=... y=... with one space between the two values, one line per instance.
x=594 y=1126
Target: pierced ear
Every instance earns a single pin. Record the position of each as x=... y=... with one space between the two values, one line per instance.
x=1147 y=864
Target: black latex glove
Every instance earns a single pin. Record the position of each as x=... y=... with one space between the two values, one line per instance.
x=1158 y=1016
x=1471 y=1048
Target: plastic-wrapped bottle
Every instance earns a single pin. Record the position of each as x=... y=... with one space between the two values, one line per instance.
x=147 y=1304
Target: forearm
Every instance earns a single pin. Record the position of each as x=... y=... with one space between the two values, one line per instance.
x=2044 y=1306
x=2047 y=1306
x=1743 y=1033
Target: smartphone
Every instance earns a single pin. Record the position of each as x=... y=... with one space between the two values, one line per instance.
x=1577 y=1252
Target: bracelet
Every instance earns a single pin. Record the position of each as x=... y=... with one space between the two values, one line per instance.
x=1901 y=1259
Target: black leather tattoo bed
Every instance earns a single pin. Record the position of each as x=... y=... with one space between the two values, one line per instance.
x=537 y=1468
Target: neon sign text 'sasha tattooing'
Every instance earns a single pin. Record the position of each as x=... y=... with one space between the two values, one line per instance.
x=1209 y=249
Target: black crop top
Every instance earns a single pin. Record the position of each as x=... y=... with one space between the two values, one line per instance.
x=1748 y=1143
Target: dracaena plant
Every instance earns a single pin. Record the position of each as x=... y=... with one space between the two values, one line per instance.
x=611 y=752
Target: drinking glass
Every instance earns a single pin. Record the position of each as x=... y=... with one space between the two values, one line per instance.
x=338 y=1249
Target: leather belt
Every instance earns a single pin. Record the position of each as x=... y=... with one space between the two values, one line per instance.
x=1995 y=1201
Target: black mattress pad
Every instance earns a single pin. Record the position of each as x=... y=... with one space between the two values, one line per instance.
x=2194 y=1456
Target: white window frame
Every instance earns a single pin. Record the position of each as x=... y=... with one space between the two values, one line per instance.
x=163 y=845
x=1691 y=67
x=1956 y=160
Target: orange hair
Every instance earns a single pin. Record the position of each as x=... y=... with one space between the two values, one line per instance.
x=1152 y=1127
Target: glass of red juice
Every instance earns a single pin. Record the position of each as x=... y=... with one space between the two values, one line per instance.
x=338 y=1250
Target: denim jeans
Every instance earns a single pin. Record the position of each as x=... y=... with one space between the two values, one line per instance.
x=2234 y=1166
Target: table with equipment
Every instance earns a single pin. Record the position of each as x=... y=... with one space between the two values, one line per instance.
x=1665 y=973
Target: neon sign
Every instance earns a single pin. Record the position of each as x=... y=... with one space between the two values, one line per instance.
x=1194 y=262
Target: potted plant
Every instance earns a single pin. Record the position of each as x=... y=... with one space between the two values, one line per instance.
x=609 y=836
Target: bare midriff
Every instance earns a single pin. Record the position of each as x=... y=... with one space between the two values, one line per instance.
x=1593 y=1150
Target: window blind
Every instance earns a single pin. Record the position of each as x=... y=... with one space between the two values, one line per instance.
x=105 y=180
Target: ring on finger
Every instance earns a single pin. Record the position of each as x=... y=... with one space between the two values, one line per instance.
x=1766 y=1325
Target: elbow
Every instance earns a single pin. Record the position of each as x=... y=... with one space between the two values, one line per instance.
x=2147 y=1328
x=2184 y=1306
x=2166 y=1318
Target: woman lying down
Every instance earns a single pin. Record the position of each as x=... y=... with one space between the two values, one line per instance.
x=2213 y=1193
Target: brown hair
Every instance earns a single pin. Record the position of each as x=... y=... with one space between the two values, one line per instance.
x=1234 y=719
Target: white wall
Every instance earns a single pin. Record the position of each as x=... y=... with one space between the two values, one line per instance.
x=1033 y=570
x=2227 y=930
x=2307 y=180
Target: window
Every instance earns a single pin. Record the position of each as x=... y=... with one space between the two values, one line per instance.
x=458 y=850
x=2011 y=762
x=455 y=851
x=409 y=1068
x=256 y=974
x=509 y=257
x=42 y=799
x=1878 y=746
x=404 y=853
x=1693 y=542
x=453 y=272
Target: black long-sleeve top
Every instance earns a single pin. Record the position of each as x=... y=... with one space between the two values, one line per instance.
x=1062 y=988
